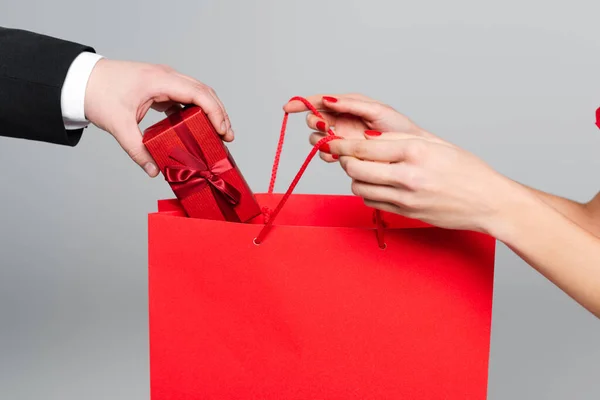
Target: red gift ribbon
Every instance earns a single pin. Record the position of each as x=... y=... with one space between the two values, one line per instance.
x=192 y=173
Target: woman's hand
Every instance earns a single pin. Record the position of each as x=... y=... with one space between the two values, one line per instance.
x=350 y=115
x=416 y=174
x=428 y=179
x=441 y=184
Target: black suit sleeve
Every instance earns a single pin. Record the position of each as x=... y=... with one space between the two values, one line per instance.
x=33 y=68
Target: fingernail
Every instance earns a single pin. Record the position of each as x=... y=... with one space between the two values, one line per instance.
x=335 y=156
x=223 y=127
x=150 y=169
x=373 y=133
x=325 y=148
x=321 y=126
x=330 y=99
x=231 y=132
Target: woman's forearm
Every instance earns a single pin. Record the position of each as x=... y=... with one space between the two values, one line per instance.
x=552 y=243
x=580 y=213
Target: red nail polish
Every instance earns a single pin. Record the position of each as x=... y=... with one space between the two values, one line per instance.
x=330 y=99
x=335 y=156
x=325 y=148
x=321 y=126
x=373 y=133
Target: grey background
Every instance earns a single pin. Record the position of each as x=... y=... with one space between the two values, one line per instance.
x=516 y=82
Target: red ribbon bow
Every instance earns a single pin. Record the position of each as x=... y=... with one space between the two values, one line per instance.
x=194 y=173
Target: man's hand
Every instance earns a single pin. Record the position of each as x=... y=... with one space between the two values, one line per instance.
x=120 y=93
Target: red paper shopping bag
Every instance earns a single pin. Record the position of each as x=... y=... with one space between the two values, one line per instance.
x=321 y=302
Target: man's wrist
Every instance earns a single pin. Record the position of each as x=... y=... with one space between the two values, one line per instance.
x=73 y=90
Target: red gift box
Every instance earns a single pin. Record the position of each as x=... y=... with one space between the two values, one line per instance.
x=199 y=168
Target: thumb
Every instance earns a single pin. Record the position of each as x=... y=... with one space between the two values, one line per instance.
x=130 y=139
x=367 y=110
x=377 y=135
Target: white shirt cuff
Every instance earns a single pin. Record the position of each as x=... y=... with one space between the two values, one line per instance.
x=72 y=99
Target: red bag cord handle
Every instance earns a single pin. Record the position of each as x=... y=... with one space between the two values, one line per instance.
x=380 y=229
x=282 y=137
x=330 y=136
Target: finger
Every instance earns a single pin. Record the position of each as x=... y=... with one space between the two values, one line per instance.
x=378 y=135
x=212 y=110
x=325 y=152
x=368 y=110
x=230 y=134
x=130 y=138
x=327 y=157
x=315 y=137
x=228 y=137
x=388 y=207
x=379 y=150
x=320 y=124
x=384 y=194
x=375 y=172
x=186 y=91
x=297 y=106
